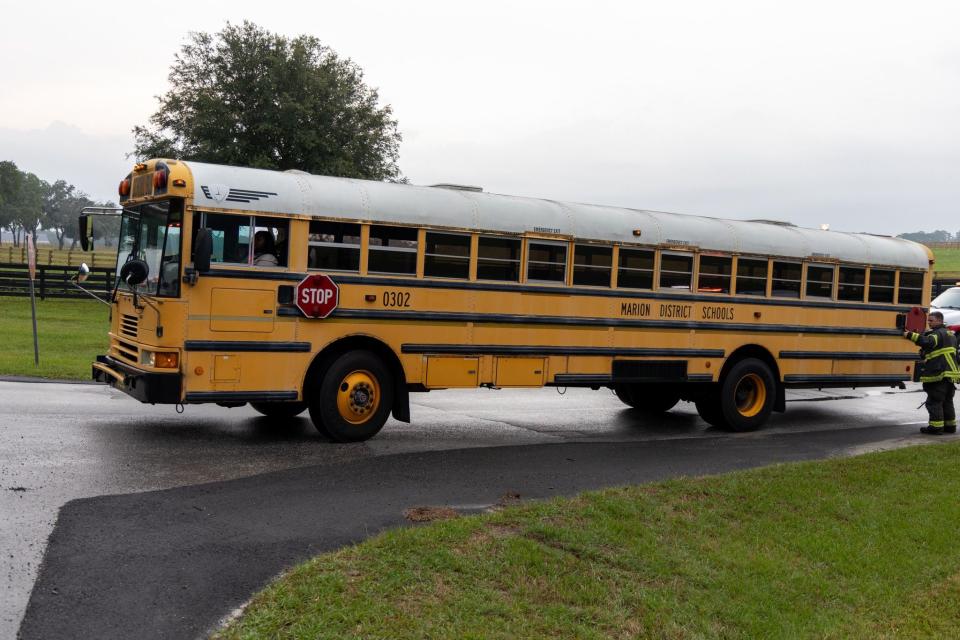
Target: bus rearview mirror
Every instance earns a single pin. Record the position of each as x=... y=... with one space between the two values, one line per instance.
x=202 y=250
x=86 y=232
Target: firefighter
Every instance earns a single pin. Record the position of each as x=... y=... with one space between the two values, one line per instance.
x=938 y=373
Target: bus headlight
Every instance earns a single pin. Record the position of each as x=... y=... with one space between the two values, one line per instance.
x=160 y=359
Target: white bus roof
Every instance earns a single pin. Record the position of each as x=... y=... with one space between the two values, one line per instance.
x=296 y=192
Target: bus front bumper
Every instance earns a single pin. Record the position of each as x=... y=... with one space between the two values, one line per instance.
x=145 y=386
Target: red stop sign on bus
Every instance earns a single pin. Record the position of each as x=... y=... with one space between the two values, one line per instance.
x=317 y=296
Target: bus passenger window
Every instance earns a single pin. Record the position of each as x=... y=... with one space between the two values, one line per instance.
x=852 y=284
x=498 y=259
x=592 y=265
x=270 y=240
x=676 y=271
x=393 y=250
x=715 y=274
x=786 y=279
x=334 y=246
x=751 y=277
x=447 y=255
x=911 y=288
x=820 y=281
x=635 y=269
x=547 y=262
x=232 y=238
x=881 y=285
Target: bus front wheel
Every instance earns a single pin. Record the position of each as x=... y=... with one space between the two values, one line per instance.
x=747 y=393
x=280 y=409
x=354 y=398
x=647 y=398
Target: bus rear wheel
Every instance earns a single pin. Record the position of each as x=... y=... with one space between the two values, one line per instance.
x=354 y=398
x=708 y=406
x=280 y=409
x=649 y=399
x=746 y=396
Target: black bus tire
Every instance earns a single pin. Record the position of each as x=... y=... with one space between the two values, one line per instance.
x=747 y=394
x=708 y=406
x=625 y=394
x=650 y=399
x=353 y=400
x=280 y=409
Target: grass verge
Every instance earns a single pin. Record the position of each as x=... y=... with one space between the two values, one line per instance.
x=947 y=261
x=71 y=334
x=860 y=547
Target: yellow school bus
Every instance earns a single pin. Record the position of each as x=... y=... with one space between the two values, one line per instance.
x=446 y=286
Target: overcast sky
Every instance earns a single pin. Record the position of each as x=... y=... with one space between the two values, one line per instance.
x=845 y=113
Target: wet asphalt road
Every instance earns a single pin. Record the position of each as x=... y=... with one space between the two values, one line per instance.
x=63 y=442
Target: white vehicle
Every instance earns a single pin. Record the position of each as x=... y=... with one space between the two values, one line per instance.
x=948 y=303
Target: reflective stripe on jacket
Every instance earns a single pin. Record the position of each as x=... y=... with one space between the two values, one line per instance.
x=938 y=348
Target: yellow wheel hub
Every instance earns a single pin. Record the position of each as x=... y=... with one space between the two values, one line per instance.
x=358 y=397
x=750 y=395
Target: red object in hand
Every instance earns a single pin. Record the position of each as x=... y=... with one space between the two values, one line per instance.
x=916 y=320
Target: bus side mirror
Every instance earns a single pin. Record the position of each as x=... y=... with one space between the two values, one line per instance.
x=202 y=250
x=86 y=232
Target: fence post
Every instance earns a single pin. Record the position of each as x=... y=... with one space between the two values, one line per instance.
x=43 y=283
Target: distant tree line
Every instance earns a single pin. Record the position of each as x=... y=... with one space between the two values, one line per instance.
x=28 y=204
x=931 y=236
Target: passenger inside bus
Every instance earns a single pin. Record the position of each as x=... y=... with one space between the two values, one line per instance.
x=264 y=249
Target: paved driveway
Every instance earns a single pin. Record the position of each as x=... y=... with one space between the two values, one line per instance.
x=65 y=442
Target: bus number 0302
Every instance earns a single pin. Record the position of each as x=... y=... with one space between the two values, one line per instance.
x=396 y=299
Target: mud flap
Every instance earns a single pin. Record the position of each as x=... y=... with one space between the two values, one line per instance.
x=401 y=402
x=780 y=403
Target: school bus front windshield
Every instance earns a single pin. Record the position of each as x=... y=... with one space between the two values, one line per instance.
x=151 y=232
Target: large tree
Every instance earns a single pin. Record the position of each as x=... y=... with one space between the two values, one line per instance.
x=59 y=207
x=246 y=96
x=29 y=205
x=21 y=209
x=11 y=179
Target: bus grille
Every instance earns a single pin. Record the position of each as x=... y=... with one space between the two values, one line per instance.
x=142 y=186
x=126 y=351
x=129 y=325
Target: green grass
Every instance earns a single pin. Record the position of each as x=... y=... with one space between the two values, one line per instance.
x=71 y=334
x=947 y=261
x=855 y=548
